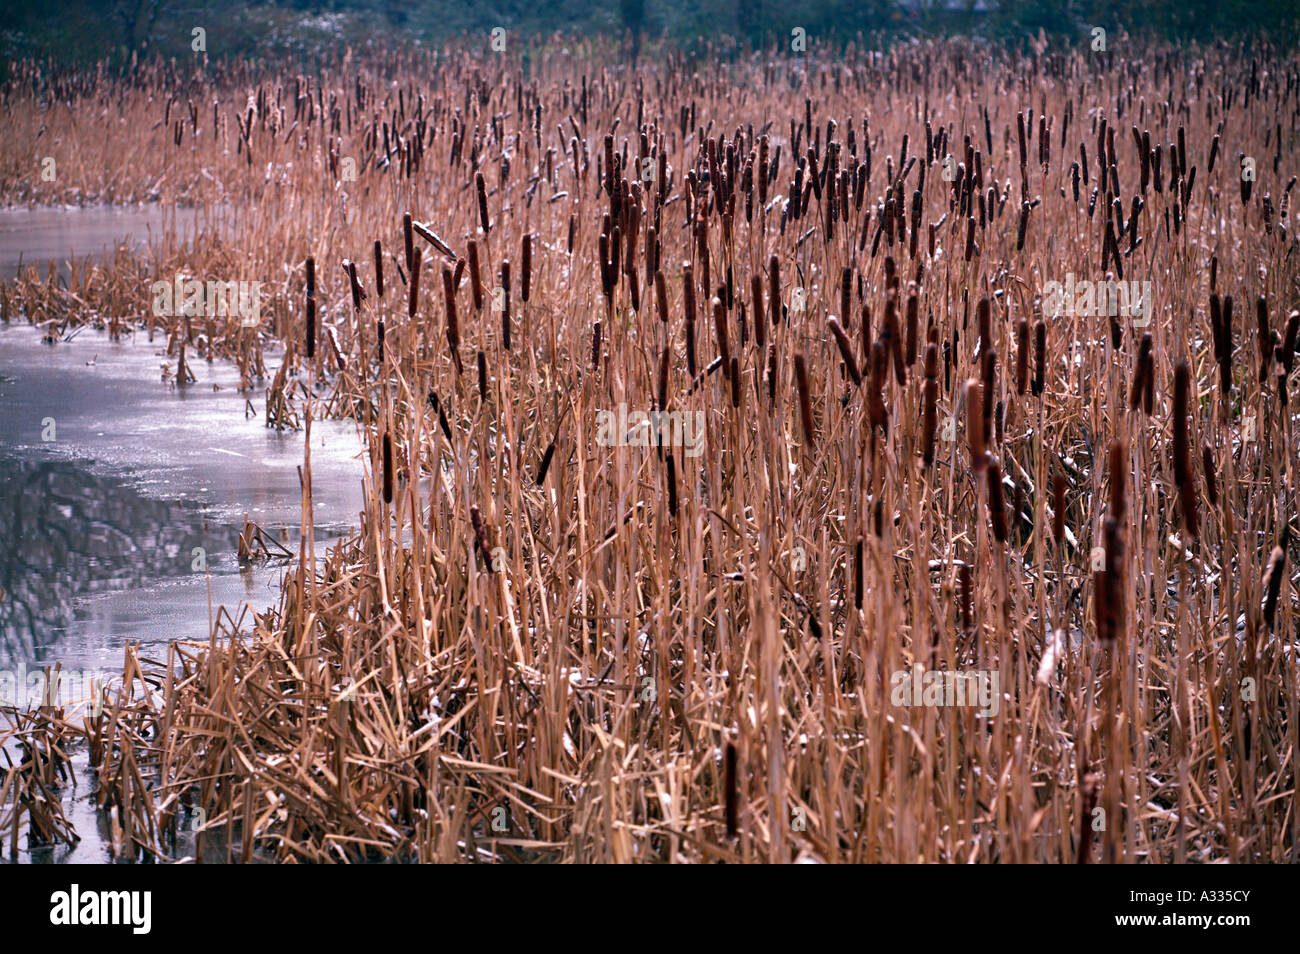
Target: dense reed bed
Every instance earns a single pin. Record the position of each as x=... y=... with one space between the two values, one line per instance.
x=546 y=644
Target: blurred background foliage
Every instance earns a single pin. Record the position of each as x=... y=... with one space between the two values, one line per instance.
x=72 y=31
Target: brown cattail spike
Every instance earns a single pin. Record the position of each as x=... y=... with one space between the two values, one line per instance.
x=805 y=398
x=1182 y=449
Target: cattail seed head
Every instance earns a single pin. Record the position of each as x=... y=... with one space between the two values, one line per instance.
x=453 y=325
x=1182 y=449
x=720 y=330
x=1143 y=373
x=475 y=279
x=547 y=455
x=1273 y=584
x=930 y=411
x=1040 y=357
x=481 y=188
x=388 y=468
x=358 y=293
x=805 y=398
x=311 y=328
x=526 y=267
x=688 y=290
x=846 y=352
x=997 y=501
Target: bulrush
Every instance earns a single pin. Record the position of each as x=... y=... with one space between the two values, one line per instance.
x=1108 y=580
x=720 y=330
x=760 y=320
x=546 y=463
x=805 y=398
x=911 y=330
x=876 y=411
x=984 y=321
x=433 y=239
x=311 y=309
x=358 y=293
x=453 y=325
x=388 y=468
x=1264 y=337
x=997 y=501
x=975 y=426
x=481 y=188
x=526 y=267
x=1040 y=357
x=1292 y=341
x=846 y=289
x=1273 y=584
x=1143 y=376
x=688 y=301
x=475 y=280
x=990 y=363
x=640 y=687
x=606 y=267
x=846 y=352
x=930 y=414
x=1182 y=449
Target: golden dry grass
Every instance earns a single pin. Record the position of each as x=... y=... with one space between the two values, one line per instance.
x=539 y=647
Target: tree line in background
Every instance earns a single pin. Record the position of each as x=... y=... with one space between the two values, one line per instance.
x=87 y=30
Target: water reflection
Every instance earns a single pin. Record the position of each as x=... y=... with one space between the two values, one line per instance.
x=98 y=524
x=67 y=533
x=38 y=236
